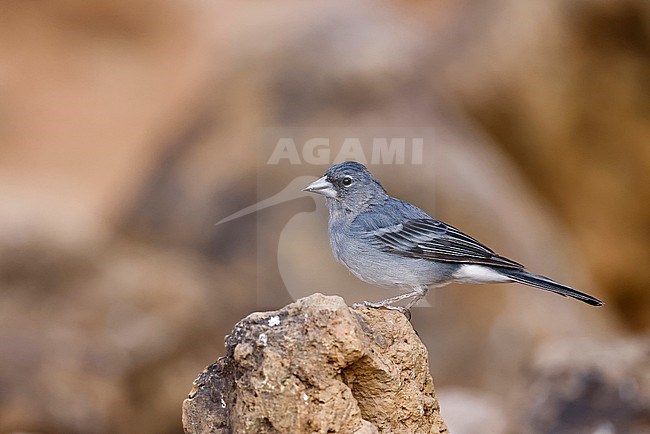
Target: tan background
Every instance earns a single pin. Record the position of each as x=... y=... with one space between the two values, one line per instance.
x=128 y=128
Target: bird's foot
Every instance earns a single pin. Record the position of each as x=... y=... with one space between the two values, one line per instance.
x=404 y=310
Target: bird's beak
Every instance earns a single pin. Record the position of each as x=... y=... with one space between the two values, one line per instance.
x=321 y=186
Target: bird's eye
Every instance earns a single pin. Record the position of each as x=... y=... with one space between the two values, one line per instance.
x=347 y=181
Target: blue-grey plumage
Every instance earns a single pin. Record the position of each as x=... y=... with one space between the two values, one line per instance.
x=388 y=242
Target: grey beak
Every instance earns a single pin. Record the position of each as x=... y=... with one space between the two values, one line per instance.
x=321 y=186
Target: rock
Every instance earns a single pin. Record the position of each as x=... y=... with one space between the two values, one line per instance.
x=317 y=366
x=586 y=385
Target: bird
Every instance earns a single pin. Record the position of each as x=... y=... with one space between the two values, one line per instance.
x=388 y=242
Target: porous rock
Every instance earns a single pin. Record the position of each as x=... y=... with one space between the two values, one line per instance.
x=317 y=366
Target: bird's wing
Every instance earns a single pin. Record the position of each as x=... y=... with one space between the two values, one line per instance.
x=427 y=238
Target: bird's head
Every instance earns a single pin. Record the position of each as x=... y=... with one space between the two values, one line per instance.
x=349 y=183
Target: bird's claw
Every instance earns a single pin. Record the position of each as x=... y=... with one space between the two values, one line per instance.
x=404 y=310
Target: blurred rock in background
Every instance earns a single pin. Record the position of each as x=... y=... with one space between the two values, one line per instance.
x=128 y=129
x=469 y=411
x=563 y=87
x=577 y=386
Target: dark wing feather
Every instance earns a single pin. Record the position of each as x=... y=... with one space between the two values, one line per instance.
x=437 y=241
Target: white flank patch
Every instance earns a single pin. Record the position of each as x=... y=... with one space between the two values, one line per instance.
x=472 y=273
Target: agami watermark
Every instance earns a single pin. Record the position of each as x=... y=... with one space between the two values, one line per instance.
x=319 y=150
x=294 y=257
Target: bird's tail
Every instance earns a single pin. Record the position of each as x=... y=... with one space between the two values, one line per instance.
x=523 y=276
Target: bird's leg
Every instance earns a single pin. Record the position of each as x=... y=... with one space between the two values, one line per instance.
x=387 y=304
x=420 y=292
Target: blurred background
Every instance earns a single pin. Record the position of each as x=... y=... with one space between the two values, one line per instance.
x=127 y=129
